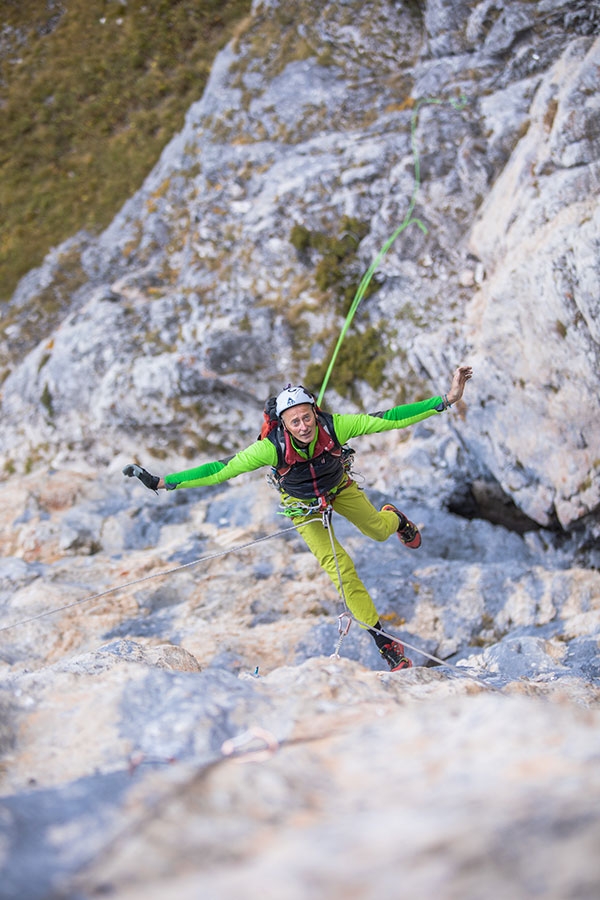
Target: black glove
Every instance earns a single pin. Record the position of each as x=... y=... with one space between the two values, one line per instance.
x=148 y=480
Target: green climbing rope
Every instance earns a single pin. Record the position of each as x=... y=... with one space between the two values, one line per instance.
x=408 y=220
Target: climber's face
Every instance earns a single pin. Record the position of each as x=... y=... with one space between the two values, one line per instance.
x=301 y=423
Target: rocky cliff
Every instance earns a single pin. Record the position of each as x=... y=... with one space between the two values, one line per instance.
x=171 y=719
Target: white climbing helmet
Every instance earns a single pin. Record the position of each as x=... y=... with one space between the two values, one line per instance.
x=292 y=396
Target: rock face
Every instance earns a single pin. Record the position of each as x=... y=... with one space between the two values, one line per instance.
x=172 y=722
x=537 y=234
x=328 y=765
x=210 y=305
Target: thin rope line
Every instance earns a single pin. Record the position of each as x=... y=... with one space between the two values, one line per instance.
x=162 y=574
x=393 y=637
x=244 y=546
x=327 y=523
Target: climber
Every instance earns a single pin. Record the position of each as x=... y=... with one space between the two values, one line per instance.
x=305 y=452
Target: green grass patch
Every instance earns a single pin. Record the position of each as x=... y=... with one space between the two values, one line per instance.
x=334 y=255
x=361 y=357
x=91 y=91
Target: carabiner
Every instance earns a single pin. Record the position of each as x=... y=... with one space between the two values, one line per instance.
x=326 y=512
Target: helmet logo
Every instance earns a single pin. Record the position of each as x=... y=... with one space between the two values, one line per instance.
x=293 y=396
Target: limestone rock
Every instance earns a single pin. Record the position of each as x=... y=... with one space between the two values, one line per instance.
x=179 y=715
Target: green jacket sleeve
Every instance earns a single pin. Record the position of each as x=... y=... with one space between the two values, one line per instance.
x=260 y=453
x=263 y=453
x=350 y=426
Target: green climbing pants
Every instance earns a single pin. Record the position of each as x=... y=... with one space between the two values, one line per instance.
x=353 y=504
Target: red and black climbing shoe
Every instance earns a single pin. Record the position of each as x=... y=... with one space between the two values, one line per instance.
x=407 y=530
x=393 y=653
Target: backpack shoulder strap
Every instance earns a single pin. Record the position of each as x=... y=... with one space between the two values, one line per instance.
x=326 y=419
x=277 y=438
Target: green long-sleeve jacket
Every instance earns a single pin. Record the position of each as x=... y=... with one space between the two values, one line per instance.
x=263 y=452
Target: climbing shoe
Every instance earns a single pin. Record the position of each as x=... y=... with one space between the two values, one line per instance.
x=407 y=530
x=393 y=653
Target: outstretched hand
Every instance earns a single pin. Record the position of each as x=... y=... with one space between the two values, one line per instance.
x=134 y=471
x=459 y=380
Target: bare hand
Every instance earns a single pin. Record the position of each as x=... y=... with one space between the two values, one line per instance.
x=459 y=380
